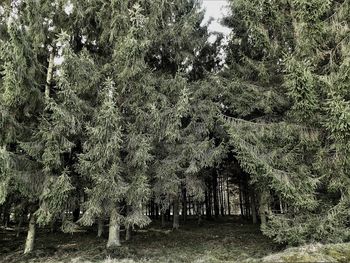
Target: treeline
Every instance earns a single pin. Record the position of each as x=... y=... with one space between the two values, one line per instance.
x=121 y=110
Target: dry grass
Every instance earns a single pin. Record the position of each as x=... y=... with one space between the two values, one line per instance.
x=225 y=240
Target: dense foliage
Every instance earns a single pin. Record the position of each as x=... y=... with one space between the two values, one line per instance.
x=124 y=110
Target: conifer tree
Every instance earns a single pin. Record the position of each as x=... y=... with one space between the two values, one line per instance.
x=276 y=126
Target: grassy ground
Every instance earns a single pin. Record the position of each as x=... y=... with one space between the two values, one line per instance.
x=225 y=240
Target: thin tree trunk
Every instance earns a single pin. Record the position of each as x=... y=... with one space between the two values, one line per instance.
x=76 y=214
x=176 y=213
x=49 y=74
x=128 y=232
x=19 y=225
x=53 y=225
x=163 y=218
x=157 y=211
x=221 y=195
x=215 y=193
x=128 y=229
x=168 y=213
x=6 y=214
x=228 y=198
x=241 y=200
x=199 y=213
x=281 y=205
x=100 y=225
x=263 y=207
x=253 y=206
x=184 y=204
x=114 y=230
x=208 y=204
x=29 y=245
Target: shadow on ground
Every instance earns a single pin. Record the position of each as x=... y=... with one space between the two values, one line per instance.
x=224 y=240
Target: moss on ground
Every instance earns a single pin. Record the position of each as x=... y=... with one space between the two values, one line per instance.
x=225 y=240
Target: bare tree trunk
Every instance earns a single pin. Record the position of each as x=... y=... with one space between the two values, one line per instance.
x=100 y=225
x=199 y=213
x=19 y=225
x=253 y=206
x=163 y=218
x=215 y=193
x=114 y=230
x=264 y=207
x=29 y=245
x=241 y=200
x=184 y=203
x=228 y=198
x=6 y=213
x=176 y=213
x=49 y=74
x=128 y=233
x=281 y=205
x=221 y=196
x=128 y=229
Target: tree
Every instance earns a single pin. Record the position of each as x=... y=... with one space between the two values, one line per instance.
x=276 y=126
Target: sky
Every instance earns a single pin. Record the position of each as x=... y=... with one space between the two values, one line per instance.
x=216 y=9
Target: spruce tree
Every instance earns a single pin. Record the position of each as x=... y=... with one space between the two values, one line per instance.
x=277 y=123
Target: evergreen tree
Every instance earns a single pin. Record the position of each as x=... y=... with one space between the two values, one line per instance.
x=277 y=124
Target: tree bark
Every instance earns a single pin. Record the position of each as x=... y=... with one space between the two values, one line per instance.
x=114 y=230
x=49 y=74
x=100 y=225
x=19 y=225
x=176 y=213
x=128 y=232
x=253 y=206
x=163 y=218
x=76 y=214
x=228 y=198
x=128 y=229
x=29 y=245
x=241 y=200
x=215 y=193
x=184 y=203
x=264 y=207
x=199 y=213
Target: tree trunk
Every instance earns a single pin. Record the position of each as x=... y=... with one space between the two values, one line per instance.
x=281 y=205
x=76 y=214
x=228 y=198
x=220 y=196
x=19 y=225
x=128 y=231
x=253 y=206
x=215 y=193
x=199 y=213
x=184 y=204
x=263 y=207
x=157 y=211
x=168 y=214
x=163 y=218
x=208 y=203
x=100 y=225
x=241 y=200
x=114 y=230
x=176 y=213
x=29 y=245
x=49 y=74
x=6 y=214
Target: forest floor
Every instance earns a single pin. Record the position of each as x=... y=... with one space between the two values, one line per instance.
x=224 y=240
